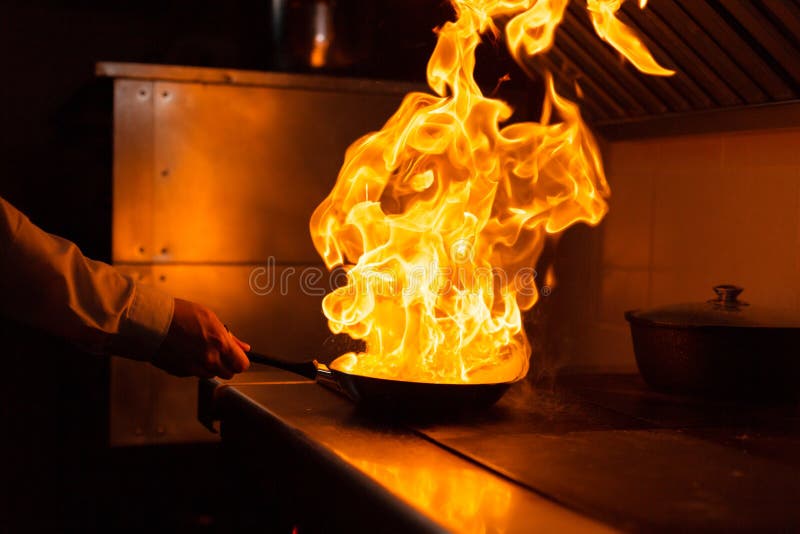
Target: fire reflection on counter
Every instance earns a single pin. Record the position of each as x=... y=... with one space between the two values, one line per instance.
x=459 y=498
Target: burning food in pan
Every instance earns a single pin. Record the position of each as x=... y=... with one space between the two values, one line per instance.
x=440 y=215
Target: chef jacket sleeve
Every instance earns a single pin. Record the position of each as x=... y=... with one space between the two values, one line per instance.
x=47 y=283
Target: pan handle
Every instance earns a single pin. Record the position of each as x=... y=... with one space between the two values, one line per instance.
x=307 y=369
x=326 y=377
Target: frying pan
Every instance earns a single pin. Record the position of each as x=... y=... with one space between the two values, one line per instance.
x=396 y=395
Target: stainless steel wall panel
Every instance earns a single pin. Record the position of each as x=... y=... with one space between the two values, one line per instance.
x=212 y=178
x=132 y=402
x=240 y=169
x=149 y=406
x=132 y=214
x=285 y=320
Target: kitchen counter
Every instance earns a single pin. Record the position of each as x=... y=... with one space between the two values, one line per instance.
x=590 y=453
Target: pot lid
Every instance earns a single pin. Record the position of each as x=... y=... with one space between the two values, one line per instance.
x=724 y=310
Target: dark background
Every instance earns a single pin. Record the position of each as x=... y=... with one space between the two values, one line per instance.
x=55 y=165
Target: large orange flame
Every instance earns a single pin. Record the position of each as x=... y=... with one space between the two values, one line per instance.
x=439 y=217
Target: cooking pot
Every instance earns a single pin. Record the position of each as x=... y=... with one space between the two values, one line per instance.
x=719 y=348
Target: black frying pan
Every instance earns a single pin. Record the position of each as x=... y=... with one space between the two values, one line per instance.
x=396 y=395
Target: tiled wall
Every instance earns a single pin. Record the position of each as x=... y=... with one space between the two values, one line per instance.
x=687 y=213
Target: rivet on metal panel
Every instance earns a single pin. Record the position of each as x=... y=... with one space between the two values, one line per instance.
x=143 y=94
x=162 y=278
x=166 y=95
x=164 y=173
x=164 y=250
x=141 y=250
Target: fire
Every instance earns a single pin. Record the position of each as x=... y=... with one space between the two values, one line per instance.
x=460 y=499
x=439 y=217
x=621 y=37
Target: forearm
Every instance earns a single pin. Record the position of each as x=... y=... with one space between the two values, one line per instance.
x=46 y=282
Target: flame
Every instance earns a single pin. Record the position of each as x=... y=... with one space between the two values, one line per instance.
x=322 y=35
x=439 y=217
x=621 y=37
x=550 y=277
x=461 y=499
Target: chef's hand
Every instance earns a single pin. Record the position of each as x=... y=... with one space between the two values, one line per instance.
x=198 y=344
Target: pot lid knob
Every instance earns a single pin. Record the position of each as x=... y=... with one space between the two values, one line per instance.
x=728 y=296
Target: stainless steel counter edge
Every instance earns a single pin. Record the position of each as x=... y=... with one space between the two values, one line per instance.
x=404 y=451
x=323 y=454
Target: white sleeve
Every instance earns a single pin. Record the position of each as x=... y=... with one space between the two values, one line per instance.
x=46 y=282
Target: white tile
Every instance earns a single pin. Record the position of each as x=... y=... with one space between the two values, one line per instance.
x=761 y=149
x=620 y=291
x=627 y=226
x=603 y=347
x=688 y=213
x=694 y=220
x=693 y=153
